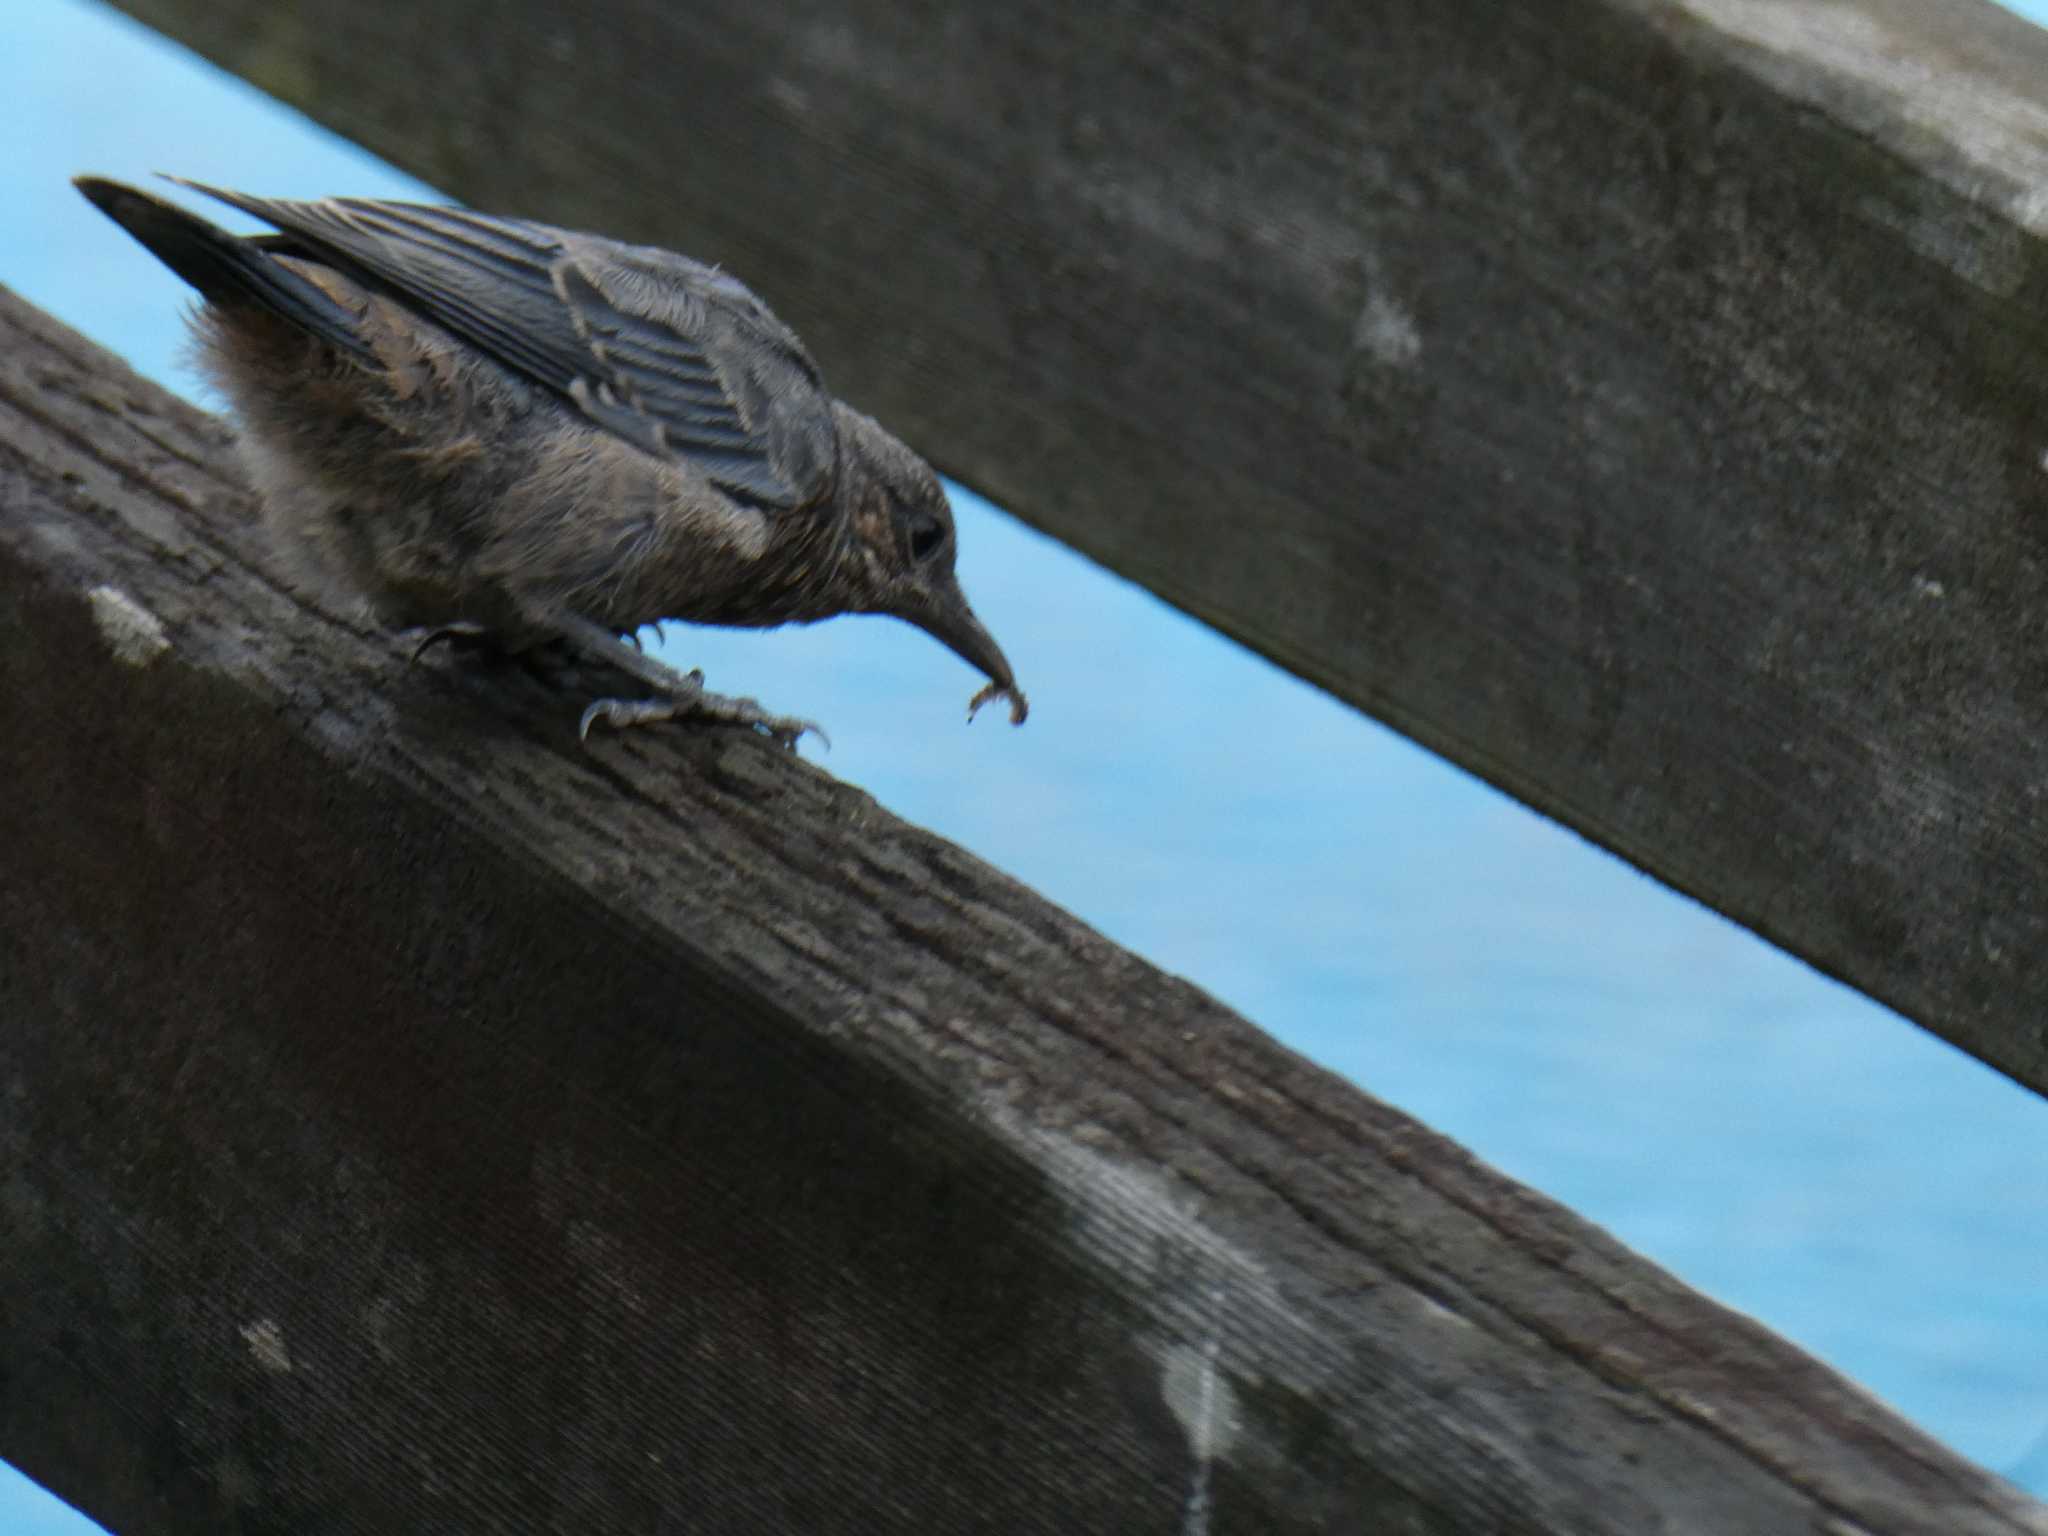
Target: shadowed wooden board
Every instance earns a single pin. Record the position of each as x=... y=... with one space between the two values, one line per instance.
x=411 y=1121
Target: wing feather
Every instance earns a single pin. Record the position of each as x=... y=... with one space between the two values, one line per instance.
x=671 y=355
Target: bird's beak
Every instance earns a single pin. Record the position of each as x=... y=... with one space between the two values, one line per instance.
x=946 y=617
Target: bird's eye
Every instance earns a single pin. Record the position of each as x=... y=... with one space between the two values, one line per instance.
x=926 y=538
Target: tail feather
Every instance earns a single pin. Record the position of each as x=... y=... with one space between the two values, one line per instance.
x=226 y=269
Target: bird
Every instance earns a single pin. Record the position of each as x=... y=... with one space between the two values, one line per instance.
x=503 y=434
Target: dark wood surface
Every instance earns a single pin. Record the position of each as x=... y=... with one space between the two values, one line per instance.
x=1638 y=403
x=410 y=1121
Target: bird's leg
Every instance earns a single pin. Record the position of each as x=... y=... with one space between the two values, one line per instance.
x=679 y=694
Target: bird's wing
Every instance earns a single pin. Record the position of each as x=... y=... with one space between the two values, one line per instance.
x=671 y=355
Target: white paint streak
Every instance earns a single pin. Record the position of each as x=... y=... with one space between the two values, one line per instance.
x=1386 y=332
x=266 y=1343
x=789 y=95
x=1132 y=1219
x=1195 y=1521
x=134 y=634
x=1201 y=1399
x=1199 y=1396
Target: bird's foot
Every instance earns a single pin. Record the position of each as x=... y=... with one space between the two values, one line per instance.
x=676 y=695
x=694 y=699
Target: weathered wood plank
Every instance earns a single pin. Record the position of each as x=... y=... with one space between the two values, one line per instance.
x=413 y=1122
x=1637 y=401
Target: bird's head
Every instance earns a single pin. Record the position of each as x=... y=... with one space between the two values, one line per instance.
x=898 y=557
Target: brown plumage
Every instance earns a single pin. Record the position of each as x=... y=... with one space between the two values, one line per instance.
x=492 y=427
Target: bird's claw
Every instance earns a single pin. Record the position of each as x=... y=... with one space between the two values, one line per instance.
x=784 y=730
x=462 y=635
x=787 y=730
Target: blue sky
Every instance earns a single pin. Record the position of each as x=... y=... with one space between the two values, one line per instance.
x=1770 y=1136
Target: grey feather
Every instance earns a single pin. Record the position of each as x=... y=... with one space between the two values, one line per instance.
x=667 y=352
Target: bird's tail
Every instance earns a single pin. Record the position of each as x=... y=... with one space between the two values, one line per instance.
x=228 y=270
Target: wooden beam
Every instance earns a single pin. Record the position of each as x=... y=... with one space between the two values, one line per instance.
x=1638 y=403
x=415 y=1122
